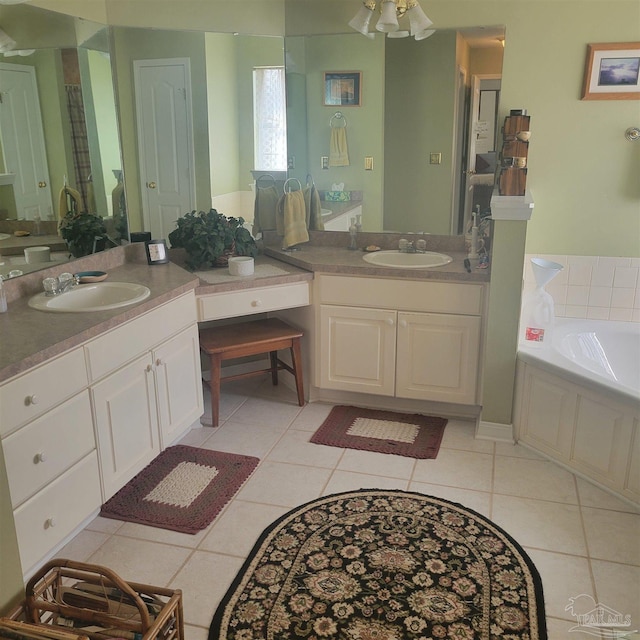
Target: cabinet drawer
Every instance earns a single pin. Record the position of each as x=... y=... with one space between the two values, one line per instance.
x=402 y=295
x=39 y=452
x=248 y=301
x=45 y=520
x=37 y=391
x=125 y=343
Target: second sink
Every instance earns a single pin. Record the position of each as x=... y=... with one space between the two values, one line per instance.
x=100 y=296
x=398 y=260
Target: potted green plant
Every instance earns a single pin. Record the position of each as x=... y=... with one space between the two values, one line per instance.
x=84 y=233
x=210 y=238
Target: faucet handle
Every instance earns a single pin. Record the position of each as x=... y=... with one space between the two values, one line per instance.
x=50 y=286
x=403 y=243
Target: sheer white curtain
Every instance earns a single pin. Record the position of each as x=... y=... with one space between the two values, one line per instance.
x=269 y=119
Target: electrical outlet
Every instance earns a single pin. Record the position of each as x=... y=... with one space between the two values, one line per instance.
x=291 y=162
x=324 y=162
x=435 y=158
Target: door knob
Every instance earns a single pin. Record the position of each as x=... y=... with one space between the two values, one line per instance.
x=42 y=184
x=151 y=185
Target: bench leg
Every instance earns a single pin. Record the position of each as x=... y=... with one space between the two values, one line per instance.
x=214 y=386
x=273 y=357
x=296 y=361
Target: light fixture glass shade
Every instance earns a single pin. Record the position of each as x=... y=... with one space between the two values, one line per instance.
x=423 y=35
x=388 y=20
x=418 y=20
x=401 y=33
x=6 y=42
x=360 y=22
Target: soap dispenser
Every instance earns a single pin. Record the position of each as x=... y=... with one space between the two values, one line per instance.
x=353 y=232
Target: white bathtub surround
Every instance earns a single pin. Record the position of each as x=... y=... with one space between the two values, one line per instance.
x=578 y=402
x=594 y=287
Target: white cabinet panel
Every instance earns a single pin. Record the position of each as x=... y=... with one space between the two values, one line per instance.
x=39 y=452
x=32 y=394
x=178 y=384
x=46 y=519
x=126 y=423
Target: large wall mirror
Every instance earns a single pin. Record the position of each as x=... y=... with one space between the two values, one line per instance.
x=58 y=127
x=426 y=118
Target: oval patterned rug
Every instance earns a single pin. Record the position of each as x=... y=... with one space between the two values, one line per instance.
x=383 y=565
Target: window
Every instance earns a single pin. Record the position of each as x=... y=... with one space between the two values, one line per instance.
x=269 y=119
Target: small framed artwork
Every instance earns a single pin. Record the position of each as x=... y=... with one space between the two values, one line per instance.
x=157 y=252
x=612 y=71
x=342 y=88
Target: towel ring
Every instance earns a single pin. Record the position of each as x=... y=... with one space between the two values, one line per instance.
x=288 y=181
x=265 y=175
x=309 y=180
x=338 y=115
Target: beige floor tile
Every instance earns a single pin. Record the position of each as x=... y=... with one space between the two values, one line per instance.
x=563 y=577
x=459 y=434
x=455 y=468
x=105 y=525
x=592 y=496
x=612 y=535
x=282 y=484
x=618 y=587
x=479 y=501
x=551 y=526
x=383 y=464
x=192 y=632
x=349 y=481
x=141 y=560
x=165 y=536
x=294 y=446
x=197 y=436
x=312 y=416
x=539 y=479
x=83 y=546
x=516 y=451
x=237 y=529
x=204 y=580
x=244 y=439
x=564 y=630
x=267 y=412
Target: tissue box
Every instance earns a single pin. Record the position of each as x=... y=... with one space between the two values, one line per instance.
x=337 y=196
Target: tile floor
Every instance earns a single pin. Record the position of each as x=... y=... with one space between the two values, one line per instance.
x=583 y=540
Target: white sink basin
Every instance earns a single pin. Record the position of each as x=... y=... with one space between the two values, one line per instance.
x=325 y=212
x=397 y=260
x=99 y=296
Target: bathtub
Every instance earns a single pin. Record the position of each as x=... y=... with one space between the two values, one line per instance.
x=578 y=401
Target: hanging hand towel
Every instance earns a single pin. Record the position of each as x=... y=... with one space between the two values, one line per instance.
x=73 y=203
x=291 y=219
x=313 y=208
x=338 y=150
x=264 y=209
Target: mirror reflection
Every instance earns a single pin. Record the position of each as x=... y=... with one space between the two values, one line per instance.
x=59 y=137
x=421 y=143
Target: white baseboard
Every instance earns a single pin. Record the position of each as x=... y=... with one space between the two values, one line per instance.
x=495 y=431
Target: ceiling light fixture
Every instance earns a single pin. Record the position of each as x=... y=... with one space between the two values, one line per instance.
x=6 y=42
x=391 y=12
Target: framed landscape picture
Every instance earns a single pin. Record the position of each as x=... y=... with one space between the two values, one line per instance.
x=342 y=88
x=612 y=71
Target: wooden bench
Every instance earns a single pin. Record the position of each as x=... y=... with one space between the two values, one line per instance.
x=248 y=339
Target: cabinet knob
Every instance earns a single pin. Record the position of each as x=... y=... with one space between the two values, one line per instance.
x=39 y=457
x=158 y=362
x=149 y=368
x=33 y=399
x=256 y=303
x=49 y=523
x=403 y=323
x=389 y=321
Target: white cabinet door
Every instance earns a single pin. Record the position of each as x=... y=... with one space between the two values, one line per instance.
x=126 y=423
x=437 y=357
x=357 y=350
x=179 y=386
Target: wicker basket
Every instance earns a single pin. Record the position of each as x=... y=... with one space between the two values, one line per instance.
x=93 y=601
x=13 y=629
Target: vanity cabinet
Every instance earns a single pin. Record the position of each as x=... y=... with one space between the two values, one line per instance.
x=75 y=429
x=408 y=339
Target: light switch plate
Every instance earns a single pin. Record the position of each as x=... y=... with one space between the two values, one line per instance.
x=324 y=162
x=368 y=163
x=435 y=158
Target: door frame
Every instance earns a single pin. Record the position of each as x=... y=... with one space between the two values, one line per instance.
x=142 y=168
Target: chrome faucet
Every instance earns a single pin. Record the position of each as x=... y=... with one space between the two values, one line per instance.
x=57 y=286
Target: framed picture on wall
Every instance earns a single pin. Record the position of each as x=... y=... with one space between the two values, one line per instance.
x=342 y=88
x=612 y=71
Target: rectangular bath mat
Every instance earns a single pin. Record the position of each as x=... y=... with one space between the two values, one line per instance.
x=183 y=489
x=405 y=434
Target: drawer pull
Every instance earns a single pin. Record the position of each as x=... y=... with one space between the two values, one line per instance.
x=389 y=321
x=149 y=368
x=39 y=457
x=32 y=399
x=158 y=362
x=49 y=523
x=403 y=323
x=256 y=303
